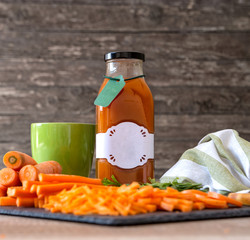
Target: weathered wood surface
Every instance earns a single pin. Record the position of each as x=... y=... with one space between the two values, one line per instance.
x=91 y=46
x=168 y=100
x=197 y=65
x=128 y=15
x=164 y=72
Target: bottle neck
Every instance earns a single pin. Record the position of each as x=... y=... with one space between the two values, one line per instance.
x=129 y=68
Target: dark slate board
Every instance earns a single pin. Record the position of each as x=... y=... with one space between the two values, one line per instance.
x=157 y=217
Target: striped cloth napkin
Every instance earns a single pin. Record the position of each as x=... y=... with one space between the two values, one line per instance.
x=220 y=161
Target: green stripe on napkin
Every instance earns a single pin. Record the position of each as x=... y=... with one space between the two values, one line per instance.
x=221 y=161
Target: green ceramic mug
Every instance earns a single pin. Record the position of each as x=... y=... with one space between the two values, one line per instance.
x=70 y=144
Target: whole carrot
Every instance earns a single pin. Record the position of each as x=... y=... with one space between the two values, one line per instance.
x=9 y=177
x=16 y=160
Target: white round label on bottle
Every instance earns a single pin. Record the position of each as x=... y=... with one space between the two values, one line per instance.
x=126 y=145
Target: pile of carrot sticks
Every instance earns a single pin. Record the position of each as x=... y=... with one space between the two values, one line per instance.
x=133 y=199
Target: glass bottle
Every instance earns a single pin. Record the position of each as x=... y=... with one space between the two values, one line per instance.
x=125 y=128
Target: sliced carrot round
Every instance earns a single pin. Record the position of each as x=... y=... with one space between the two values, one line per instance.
x=45 y=167
x=9 y=177
x=13 y=160
x=57 y=167
x=28 y=172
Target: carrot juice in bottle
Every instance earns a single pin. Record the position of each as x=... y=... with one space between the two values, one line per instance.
x=125 y=121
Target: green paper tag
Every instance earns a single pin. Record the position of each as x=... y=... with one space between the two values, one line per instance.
x=110 y=91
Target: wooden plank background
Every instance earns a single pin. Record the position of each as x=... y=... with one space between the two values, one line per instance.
x=197 y=65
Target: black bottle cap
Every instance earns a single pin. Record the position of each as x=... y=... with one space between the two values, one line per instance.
x=115 y=55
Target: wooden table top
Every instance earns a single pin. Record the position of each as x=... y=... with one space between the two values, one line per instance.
x=30 y=228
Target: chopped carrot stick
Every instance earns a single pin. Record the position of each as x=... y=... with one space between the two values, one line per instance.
x=146 y=191
x=52 y=188
x=144 y=200
x=224 y=198
x=156 y=201
x=38 y=203
x=167 y=206
x=180 y=195
x=185 y=202
x=194 y=191
x=173 y=201
x=68 y=178
x=215 y=207
x=7 y=201
x=3 y=190
x=41 y=203
x=34 y=188
x=187 y=196
x=184 y=207
x=171 y=190
x=16 y=160
x=25 y=202
x=209 y=202
x=19 y=192
x=180 y=204
x=9 y=177
x=57 y=187
x=198 y=205
x=28 y=184
x=159 y=193
x=151 y=207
